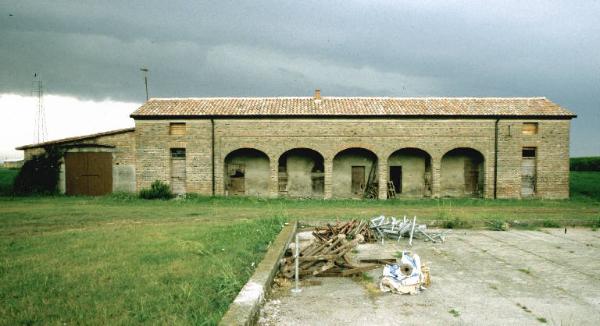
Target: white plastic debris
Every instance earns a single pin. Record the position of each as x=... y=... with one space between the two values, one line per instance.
x=405 y=277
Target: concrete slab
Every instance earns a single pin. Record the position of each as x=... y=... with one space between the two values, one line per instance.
x=479 y=277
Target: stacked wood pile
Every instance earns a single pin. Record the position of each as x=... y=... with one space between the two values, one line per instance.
x=326 y=258
x=351 y=229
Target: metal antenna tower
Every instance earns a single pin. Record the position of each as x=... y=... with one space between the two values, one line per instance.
x=40 y=134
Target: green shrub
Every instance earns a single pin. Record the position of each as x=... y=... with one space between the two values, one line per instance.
x=550 y=224
x=7 y=178
x=158 y=190
x=585 y=163
x=456 y=223
x=40 y=174
x=497 y=225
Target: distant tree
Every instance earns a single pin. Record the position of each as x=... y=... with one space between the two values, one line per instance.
x=40 y=174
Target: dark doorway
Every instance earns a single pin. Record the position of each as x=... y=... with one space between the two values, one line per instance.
x=528 y=168
x=88 y=173
x=358 y=180
x=396 y=178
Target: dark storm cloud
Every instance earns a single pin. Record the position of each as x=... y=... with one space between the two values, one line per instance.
x=93 y=49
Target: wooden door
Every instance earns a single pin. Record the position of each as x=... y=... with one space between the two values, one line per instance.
x=358 y=180
x=237 y=179
x=178 y=175
x=471 y=177
x=88 y=173
x=396 y=178
x=528 y=168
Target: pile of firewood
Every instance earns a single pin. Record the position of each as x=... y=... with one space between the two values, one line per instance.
x=351 y=229
x=325 y=258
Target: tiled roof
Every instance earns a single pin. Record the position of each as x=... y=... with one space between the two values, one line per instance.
x=349 y=106
x=75 y=139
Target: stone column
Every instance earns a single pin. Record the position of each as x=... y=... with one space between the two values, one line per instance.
x=274 y=178
x=328 y=191
x=382 y=171
x=436 y=185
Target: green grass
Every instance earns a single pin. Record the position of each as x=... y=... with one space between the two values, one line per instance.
x=585 y=185
x=123 y=260
x=129 y=270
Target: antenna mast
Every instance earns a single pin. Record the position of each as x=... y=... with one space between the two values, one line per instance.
x=145 y=70
x=37 y=90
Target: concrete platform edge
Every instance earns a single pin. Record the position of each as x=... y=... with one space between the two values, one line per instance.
x=246 y=306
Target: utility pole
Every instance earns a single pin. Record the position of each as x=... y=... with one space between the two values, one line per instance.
x=145 y=70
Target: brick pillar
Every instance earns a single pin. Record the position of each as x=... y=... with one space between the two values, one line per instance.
x=274 y=180
x=328 y=165
x=382 y=170
x=436 y=185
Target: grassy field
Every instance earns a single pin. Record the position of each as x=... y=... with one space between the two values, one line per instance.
x=122 y=260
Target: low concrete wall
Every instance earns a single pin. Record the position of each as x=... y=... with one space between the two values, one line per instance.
x=246 y=306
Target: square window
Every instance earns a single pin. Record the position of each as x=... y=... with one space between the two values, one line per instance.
x=529 y=151
x=178 y=152
x=530 y=128
x=177 y=128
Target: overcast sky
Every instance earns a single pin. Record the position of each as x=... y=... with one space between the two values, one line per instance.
x=89 y=54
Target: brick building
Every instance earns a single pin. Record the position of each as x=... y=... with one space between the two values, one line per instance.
x=333 y=147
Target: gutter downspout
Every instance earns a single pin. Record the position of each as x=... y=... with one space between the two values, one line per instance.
x=212 y=153
x=496 y=158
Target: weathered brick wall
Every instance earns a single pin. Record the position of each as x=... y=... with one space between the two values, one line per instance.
x=552 y=158
x=153 y=160
x=381 y=136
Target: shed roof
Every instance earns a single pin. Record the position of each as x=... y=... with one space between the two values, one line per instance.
x=351 y=106
x=75 y=139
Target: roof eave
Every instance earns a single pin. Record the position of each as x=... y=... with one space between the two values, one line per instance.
x=74 y=139
x=346 y=116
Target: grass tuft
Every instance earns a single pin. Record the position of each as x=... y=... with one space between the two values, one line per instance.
x=497 y=225
x=454 y=312
x=525 y=270
x=456 y=223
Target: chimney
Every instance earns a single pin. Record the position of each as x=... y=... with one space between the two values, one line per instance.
x=317 y=94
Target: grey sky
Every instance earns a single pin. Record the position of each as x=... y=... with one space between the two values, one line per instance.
x=93 y=50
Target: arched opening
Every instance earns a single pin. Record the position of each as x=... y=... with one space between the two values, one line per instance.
x=355 y=174
x=301 y=174
x=247 y=173
x=409 y=173
x=462 y=173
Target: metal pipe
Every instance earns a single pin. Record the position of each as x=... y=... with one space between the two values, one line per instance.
x=496 y=158
x=412 y=231
x=212 y=152
x=297 y=289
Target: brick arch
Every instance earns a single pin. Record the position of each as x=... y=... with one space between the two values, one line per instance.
x=342 y=148
x=301 y=173
x=247 y=173
x=462 y=172
x=355 y=173
x=281 y=153
x=410 y=171
x=410 y=148
x=249 y=147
